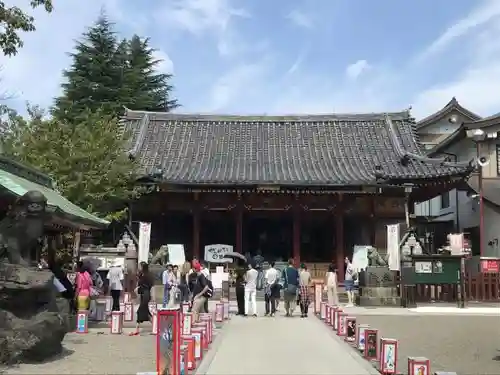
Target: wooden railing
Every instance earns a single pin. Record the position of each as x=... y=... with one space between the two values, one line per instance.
x=483 y=287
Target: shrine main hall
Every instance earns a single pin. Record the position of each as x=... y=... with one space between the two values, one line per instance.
x=309 y=187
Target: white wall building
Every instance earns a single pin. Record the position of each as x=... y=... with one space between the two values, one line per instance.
x=449 y=134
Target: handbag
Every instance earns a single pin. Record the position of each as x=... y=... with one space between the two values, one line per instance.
x=290 y=288
x=94 y=292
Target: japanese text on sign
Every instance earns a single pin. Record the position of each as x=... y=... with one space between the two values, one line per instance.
x=217 y=253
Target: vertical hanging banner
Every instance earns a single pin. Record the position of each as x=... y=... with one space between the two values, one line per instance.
x=144 y=238
x=393 y=237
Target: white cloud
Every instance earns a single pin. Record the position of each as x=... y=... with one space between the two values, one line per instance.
x=355 y=70
x=487 y=12
x=34 y=74
x=166 y=65
x=242 y=81
x=200 y=17
x=300 y=19
x=477 y=85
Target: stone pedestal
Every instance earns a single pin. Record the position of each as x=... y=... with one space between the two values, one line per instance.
x=378 y=287
x=33 y=321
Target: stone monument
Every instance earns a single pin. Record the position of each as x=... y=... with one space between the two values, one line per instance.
x=33 y=321
x=378 y=284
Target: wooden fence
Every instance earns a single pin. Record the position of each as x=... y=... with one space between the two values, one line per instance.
x=483 y=287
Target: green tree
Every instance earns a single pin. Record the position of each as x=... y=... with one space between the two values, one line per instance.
x=88 y=160
x=95 y=80
x=110 y=74
x=149 y=89
x=14 y=21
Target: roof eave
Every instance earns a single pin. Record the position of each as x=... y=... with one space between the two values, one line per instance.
x=483 y=123
x=452 y=105
x=77 y=222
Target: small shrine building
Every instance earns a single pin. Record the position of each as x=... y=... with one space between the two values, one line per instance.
x=308 y=187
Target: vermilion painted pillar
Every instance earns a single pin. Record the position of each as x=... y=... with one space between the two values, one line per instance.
x=339 y=235
x=196 y=234
x=239 y=230
x=296 y=237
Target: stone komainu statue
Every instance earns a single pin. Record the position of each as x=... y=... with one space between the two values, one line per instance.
x=375 y=259
x=33 y=320
x=22 y=228
x=161 y=257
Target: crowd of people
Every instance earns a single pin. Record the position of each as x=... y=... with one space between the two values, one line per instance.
x=294 y=283
x=192 y=283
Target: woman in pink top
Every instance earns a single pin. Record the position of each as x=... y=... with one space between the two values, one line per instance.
x=83 y=285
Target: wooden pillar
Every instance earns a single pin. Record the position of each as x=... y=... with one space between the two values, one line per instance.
x=296 y=232
x=196 y=228
x=339 y=235
x=373 y=223
x=239 y=225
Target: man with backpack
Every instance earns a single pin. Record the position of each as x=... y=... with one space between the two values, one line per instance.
x=201 y=292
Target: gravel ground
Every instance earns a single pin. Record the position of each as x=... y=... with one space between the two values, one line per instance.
x=468 y=345
x=98 y=352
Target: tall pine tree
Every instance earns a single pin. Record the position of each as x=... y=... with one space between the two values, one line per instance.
x=95 y=80
x=107 y=75
x=149 y=88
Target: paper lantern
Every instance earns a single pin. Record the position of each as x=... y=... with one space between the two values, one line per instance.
x=419 y=366
x=116 y=325
x=82 y=321
x=388 y=356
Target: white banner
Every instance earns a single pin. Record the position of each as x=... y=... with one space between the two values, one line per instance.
x=360 y=257
x=144 y=238
x=176 y=254
x=217 y=253
x=393 y=237
x=456 y=243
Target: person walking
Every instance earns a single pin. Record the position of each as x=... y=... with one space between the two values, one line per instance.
x=304 y=290
x=167 y=280
x=184 y=281
x=271 y=278
x=331 y=286
x=350 y=275
x=206 y=272
x=174 y=287
x=83 y=285
x=251 y=289
x=240 y=290
x=290 y=286
x=115 y=279
x=199 y=292
x=144 y=286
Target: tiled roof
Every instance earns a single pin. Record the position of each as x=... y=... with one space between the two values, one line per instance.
x=485 y=122
x=452 y=106
x=319 y=150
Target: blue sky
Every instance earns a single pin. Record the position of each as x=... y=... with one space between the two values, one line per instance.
x=287 y=56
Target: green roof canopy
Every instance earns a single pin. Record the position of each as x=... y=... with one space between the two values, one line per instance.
x=56 y=202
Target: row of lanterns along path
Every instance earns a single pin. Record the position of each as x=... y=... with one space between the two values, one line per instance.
x=382 y=352
x=174 y=328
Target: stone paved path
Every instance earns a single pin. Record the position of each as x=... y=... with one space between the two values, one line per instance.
x=281 y=345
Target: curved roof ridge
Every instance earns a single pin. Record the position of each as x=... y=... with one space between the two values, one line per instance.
x=452 y=105
x=403 y=153
x=167 y=116
x=484 y=122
